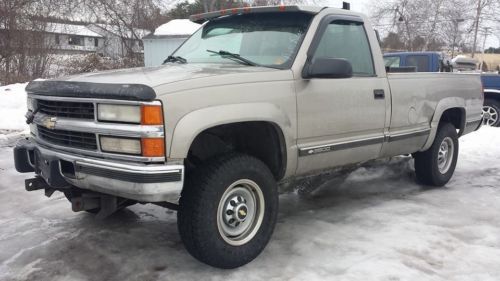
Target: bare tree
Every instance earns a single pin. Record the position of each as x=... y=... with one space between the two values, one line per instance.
x=485 y=11
x=425 y=24
x=24 y=53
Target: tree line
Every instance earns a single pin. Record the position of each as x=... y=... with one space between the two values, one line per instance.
x=25 y=53
x=423 y=25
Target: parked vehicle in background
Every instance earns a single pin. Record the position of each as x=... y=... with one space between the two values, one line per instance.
x=491 y=109
x=463 y=63
x=421 y=61
x=255 y=101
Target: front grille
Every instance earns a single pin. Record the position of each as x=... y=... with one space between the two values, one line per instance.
x=68 y=138
x=81 y=110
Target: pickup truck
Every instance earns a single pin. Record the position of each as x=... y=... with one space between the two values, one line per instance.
x=256 y=100
x=434 y=62
x=420 y=61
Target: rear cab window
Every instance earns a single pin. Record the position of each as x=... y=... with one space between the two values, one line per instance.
x=392 y=61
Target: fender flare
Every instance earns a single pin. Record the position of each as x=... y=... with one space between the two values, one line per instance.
x=492 y=91
x=193 y=123
x=442 y=106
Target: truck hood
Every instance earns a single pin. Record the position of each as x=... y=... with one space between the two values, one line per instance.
x=143 y=83
x=155 y=76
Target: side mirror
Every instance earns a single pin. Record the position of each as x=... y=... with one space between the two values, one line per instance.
x=327 y=68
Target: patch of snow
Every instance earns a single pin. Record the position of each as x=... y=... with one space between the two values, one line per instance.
x=71 y=29
x=13 y=108
x=177 y=27
x=121 y=31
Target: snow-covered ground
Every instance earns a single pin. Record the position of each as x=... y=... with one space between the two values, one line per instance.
x=375 y=225
x=12 y=108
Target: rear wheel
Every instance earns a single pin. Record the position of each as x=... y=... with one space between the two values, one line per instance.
x=228 y=211
x=491 y=111
x=436 y=166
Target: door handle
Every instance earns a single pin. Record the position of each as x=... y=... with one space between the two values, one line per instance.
x=379 y=94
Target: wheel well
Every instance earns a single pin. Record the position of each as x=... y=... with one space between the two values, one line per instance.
x=263 y=140
x=455 y=116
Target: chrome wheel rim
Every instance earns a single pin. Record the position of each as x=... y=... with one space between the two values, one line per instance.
x=240 y=212
x=490 y=115
x=445 y=155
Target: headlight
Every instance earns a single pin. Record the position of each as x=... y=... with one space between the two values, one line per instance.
x=119 y=113
x=121 y=145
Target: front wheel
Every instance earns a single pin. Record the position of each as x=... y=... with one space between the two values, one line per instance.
x=436 y=166
x=228 y=211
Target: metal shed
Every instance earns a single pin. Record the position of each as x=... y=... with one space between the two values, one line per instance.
x=166 y=38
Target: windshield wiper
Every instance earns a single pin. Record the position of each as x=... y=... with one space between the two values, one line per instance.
x=175 y=59
x=234 y=57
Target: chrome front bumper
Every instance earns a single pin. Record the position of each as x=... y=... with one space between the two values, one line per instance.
x=141 y=182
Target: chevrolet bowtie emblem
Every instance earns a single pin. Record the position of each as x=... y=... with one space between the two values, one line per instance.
x=49 y=122
x=243 y=213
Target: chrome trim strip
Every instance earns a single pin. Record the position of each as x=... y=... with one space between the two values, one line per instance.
x=144 y=192
x=307 y=151
x=113 y=165
x=99 y=128
x=92 y=100
x=491 y=91
x=109 y=129
x=403 y=136
x=133 y=169
x=312 y=150
x=97 y=154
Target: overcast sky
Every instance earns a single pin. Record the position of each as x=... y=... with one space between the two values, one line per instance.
x=363 y=6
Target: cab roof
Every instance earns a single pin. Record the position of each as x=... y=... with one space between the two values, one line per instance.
x=200 y=18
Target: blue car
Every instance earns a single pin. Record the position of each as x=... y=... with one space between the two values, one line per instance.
x=491 y=109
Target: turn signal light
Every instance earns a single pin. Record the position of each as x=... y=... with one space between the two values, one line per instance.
x=151 y=115
x=153 y=147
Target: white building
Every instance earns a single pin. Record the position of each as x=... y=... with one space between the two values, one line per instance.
x=166 y=39
x=72 y=38
x=77 y=38
x=119 y=41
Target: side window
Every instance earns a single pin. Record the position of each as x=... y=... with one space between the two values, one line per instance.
x=392 y=61
x=347 y=40
x=421 y=62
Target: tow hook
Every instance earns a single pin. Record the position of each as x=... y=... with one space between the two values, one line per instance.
x=38 y=183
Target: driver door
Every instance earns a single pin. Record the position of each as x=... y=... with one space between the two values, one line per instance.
x=341 y=121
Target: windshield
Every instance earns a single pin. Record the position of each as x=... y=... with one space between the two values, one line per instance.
x=267 y=39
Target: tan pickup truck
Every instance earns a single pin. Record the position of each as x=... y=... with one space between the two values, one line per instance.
x=257 y=97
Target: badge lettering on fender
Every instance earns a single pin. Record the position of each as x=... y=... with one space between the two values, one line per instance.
x=319 y=150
